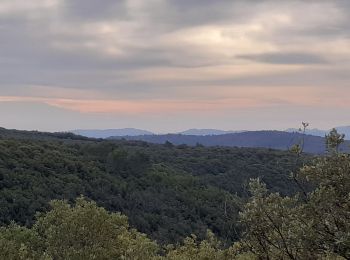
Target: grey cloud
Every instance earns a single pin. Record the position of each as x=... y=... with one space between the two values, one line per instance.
x=285 y=58
x=176 y=14
x=307 y=77
x=95 y=9
x=27 y=56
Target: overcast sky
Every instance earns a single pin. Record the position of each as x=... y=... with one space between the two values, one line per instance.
x=169 y=65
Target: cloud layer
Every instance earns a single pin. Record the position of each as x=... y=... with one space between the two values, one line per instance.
x=134 y=61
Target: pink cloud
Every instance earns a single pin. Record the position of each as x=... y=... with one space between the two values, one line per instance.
x=220 y=99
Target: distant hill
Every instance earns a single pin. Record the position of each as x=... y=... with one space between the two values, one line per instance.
x=135 y=132
x=128 y=132
x=205 y=132
x=318 y=132
x=36 y=135
x=264 y=139
x=315 y=131
x=111 y=132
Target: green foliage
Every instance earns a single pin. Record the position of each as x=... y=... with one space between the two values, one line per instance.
x=272 y=225
x=334 y=140
x=167 y=192
x=191 y=249
x=170 y=192
x=328 y=206
x=83 y=231
x=17 y=243
x=315 y=226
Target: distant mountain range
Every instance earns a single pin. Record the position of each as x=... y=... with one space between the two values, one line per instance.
x=95 y=133
x=264 y=139
x=280 y=140
x=111 y=132
x=317 y=132
x=197 y=132
x=206 y=132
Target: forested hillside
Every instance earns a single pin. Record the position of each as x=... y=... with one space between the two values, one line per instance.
x=254 y=139
x=167 y=191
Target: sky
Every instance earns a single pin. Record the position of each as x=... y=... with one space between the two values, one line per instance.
x=170 y=65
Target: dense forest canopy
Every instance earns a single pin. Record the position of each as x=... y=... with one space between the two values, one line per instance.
x=167 y=191
x=248 y=199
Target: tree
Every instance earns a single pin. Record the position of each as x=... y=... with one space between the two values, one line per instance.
x=334 y=140
x=315 y=227
x=271 y=224
x=83 y=231
x=17 y=243
x=209 y=249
